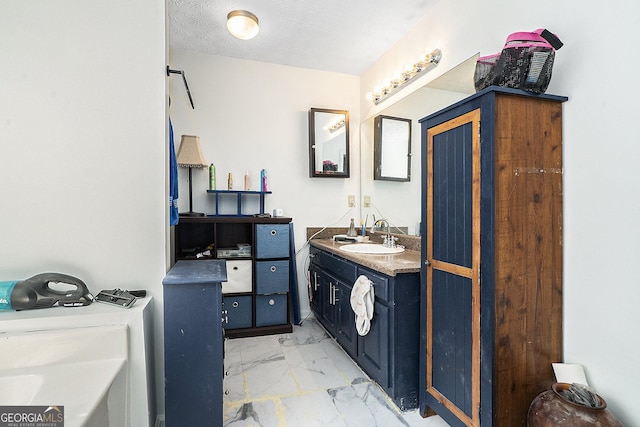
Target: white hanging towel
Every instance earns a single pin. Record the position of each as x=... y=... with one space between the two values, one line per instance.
x=362 y=297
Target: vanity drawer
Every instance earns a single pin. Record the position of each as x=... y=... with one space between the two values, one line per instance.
x=272 y=240
x=272 y=277
x=339 y=267
x=380 y=283
x=271 y=310
x=238 y=277
x=239 y=311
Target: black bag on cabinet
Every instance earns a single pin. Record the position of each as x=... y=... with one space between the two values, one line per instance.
x=525 y=62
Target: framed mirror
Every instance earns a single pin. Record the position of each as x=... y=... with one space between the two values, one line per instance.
x=392 y=149
x=328 y=143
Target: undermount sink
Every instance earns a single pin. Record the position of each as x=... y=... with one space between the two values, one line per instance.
x=371 y=248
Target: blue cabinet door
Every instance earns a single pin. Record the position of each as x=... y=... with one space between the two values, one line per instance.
x=453 y=289
x=327 y=305
x=346 y=333
x=373 y=348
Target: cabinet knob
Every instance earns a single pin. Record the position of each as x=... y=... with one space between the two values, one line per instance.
x=226 y=392
x=273 y=232
x=271 y=301
x=235 y=304
x=273 y=268
x=427 y=262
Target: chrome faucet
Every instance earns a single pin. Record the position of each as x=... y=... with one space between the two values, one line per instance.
x=389 y=241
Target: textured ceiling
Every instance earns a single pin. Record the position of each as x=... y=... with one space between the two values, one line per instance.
x=345 y=36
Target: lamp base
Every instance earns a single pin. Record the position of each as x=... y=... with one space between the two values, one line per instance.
x=190 y=214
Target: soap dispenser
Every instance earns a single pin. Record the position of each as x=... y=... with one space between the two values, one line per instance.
x=352 y=229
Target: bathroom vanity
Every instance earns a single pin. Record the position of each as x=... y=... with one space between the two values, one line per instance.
x=388 y=353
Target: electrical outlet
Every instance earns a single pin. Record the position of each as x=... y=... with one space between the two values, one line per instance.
x=367 y=202
x=352 y=201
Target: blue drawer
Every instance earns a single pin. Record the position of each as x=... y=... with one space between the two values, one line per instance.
x=272 y=240
x=342 y=268
x=239 y=312
x=380 y=283
x=271 y=310
x=272 y=277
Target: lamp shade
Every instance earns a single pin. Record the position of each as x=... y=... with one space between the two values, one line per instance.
x=242 y=24
x=190 y=153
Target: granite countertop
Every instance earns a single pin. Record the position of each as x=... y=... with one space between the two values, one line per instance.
x=391 y=265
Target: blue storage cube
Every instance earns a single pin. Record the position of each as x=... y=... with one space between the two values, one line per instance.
x=271 y=310
x=272 y=277
x=272 y=240
x=239 y=311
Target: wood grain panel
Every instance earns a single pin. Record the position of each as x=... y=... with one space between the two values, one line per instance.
x=528 y=252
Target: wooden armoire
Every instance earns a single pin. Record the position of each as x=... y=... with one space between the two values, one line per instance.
x=491 y=291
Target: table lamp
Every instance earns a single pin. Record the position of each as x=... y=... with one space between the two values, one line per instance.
x=190 y=156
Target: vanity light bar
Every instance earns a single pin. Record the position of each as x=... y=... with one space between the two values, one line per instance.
x=337 y=125
x=426 y=62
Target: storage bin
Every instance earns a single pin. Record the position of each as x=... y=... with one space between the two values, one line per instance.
x=271 y=310
x=272 y=277
x=272 y=240
x=239 y=277
x=239 y=312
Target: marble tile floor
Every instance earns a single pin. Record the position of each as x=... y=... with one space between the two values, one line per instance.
x=304 y=379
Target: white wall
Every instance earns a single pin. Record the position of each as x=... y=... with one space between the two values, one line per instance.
x=253 y=115
x=598 y=73
x=82 y=137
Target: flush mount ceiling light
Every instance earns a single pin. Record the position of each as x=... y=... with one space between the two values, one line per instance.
x=242 y=24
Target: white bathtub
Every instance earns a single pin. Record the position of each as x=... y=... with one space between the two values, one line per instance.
x=83 y=369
